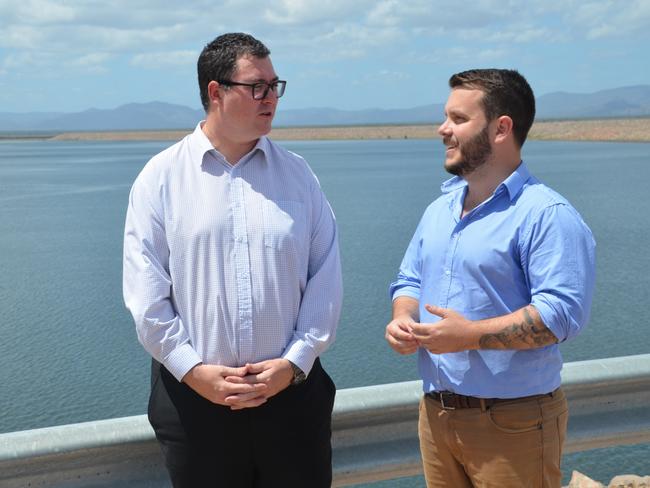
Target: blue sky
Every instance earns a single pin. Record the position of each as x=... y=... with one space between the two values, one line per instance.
x=72 y=55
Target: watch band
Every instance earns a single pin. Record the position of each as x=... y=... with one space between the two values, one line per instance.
x=298 y=374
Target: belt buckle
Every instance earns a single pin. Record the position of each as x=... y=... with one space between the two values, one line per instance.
x=442 y=400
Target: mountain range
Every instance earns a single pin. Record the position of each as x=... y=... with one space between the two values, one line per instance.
x=630 y=101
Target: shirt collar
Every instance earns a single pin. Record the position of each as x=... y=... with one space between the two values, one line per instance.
x=201 y=145
x=513 y=183
x=453 y=184
x=263 y=145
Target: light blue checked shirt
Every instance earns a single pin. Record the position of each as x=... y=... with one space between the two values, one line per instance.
x=230 y=264
x=524 y=245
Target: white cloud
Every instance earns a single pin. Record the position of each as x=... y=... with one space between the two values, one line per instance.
x=15 y=61
x=119 y=39
x=24 y=37
x=511 y=33
x=341 y=41
x=384 y=76
x=28 y=62
x=123 y=24
x=60 y=39
x=598 y=19
x=312 y=31
x=491 y=55
x=332 y=36
x=165 y=59
x=460 y=54
x=301 y=12
x=90 y=63
x=310 y=74
x=428 y=14
x=38 y=12
x=115 y=25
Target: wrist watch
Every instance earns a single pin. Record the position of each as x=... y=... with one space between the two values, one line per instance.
x=298 y=374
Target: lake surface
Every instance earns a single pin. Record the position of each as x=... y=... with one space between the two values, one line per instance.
x=69 y=352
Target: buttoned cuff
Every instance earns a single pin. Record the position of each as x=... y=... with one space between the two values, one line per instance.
x=301 y=355
x=181 y=360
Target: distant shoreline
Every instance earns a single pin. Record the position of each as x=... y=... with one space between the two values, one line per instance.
x=614 y=130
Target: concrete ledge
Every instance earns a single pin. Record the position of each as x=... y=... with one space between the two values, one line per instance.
x=374 y=433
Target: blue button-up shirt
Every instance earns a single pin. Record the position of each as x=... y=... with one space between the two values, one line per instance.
x=231 y=264
x=524 y=245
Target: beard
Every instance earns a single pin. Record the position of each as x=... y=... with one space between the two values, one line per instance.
x=473 y=154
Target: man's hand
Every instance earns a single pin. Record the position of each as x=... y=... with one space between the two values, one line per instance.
x=399 y=336
x=521 y=329
x=274 y=374
x=451 y=334
x=210 y=381
x=398 y=331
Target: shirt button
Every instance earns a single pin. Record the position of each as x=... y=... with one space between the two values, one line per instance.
x=447 y=272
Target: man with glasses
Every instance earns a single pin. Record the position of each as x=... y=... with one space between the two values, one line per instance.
x=232 y=274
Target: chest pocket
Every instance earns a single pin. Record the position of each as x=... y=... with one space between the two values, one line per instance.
x=285 y=225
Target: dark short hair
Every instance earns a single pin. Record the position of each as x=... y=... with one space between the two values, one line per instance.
x=505 y=92
x=218 y=60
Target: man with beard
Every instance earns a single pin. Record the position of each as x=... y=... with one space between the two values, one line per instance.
x=232 y=274
x=500 y=270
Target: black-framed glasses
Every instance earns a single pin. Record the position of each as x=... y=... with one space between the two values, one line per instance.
x=260 y=89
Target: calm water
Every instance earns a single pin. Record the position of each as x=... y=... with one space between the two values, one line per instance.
x=69 y=353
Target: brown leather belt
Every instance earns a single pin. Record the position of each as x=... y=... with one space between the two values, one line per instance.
x=451 y=401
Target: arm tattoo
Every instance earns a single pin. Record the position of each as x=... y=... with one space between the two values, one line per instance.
x=527 y=334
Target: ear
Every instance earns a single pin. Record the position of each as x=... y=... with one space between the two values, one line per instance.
x=504 y=127
x=213 y=92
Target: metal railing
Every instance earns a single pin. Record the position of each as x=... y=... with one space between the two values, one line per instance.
x=374 y=433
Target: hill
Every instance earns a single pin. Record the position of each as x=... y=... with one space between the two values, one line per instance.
x=631 y=101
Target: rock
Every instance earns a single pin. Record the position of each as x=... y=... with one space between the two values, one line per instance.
x=629 y=481
x=579 y=480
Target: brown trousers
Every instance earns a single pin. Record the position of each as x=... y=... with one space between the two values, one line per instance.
x=510 y=444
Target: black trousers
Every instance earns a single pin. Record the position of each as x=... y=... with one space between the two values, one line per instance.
x=282 y=443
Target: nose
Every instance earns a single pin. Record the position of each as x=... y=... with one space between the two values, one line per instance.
x=270 y=96
x=444 y=128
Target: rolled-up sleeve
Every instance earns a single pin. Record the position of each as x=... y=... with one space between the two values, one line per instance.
x=147 y=282
x=408 y=278
x=321 y=302
x=559 y=261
